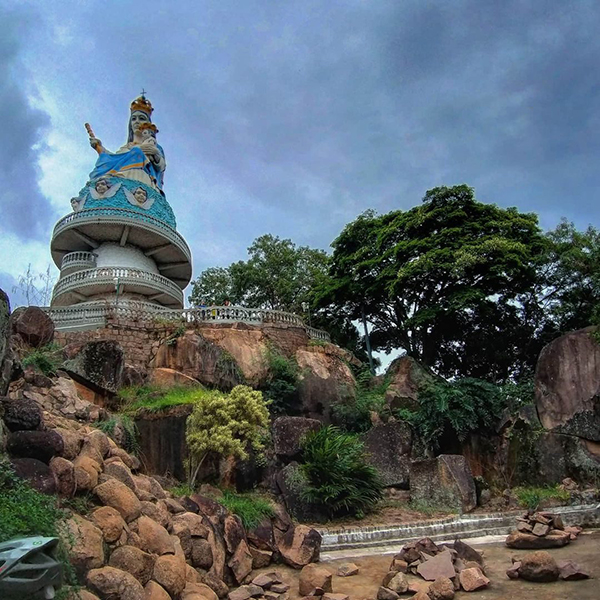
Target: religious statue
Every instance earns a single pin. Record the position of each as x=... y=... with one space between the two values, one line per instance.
x=141 y=158
x=77 y=203
x=139 y=197
x=104 y=188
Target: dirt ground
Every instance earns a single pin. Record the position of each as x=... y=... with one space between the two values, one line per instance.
x=585 y=551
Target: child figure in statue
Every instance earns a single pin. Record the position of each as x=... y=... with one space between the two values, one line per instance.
x=148 y=133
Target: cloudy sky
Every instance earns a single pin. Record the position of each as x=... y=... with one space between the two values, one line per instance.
x=292 y=117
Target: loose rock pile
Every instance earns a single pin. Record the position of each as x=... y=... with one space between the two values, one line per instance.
x=315 y=583
x=266 y=586
x=541 y=530
x=541 y=567
x=450 y=567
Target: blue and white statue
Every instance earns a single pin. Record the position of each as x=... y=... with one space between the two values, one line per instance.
x=141 y=158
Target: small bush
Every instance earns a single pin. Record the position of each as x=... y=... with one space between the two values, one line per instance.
x=250 y=508
x=281 y=386
x=338 y=478
x=532 y=497
x=46 y=359
x=182 y=490
x=128 y=428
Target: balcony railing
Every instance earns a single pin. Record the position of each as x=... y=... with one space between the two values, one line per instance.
x=122 y=216
x=70 y=317
x=76 y=261
x=105 y=279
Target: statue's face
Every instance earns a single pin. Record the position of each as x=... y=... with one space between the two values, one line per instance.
x=137 y=118
x=74 y=203
x=146 y=134
x=101 y=186
x=140 y=195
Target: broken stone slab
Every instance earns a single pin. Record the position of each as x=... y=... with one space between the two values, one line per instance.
x=540 y=529
x=528 y=541
x=347 y=570
x=571 y=571
x=436 y=567
x=513 y=571
x=472 y=580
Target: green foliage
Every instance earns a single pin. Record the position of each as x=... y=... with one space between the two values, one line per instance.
x=355 y=414
x=440 y=281
x=228 y=367
x=126 y=426
x=46 y=359
x=156 y=398
x=280 y=387
x=175 y=335
x=26 y=512
x=250 y=508
x=277 y=275
x=455 y=408
x=429 y=509
x=532 y=497
x=338 y=478
x=183 y=489
x=226 y=424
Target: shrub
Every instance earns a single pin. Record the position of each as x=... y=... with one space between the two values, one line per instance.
x=46 y=359
x=532 y=497
x=281 y=386
x=129 y=431
x=250 y=508
x=338 y=478
x=226 y=424
x=26 y=512
x=457 y=407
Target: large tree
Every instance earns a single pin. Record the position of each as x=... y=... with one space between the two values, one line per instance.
x=441 y=281
x=277 y=275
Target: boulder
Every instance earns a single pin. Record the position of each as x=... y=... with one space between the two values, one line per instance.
x=6 y=354
x=288 y=433
x=444 y=481
x=527 y=541
x=84 y=543
x=36 y=473
x=260 y=558
x=198 y=591
x=109 y=582
x=290 y=481
x=169 y=572
x=233 y=532
x=158 y=513
x=571 y=571
x=119 y=496
x=398 y=583
x=64 y=476
x=472 y=580
x=163 y=377
x=42 y=445
x=32 y=325
x=154 y=591
x=193 y=522
x=110 y=522
x=313 y=577
x=154 y=537
x=241 y=562
x=87 y=471
x=538 y=566
x=215 y=584
x=441 y=589
x=347 y=570
x=384 y=593
x=138 y=563
x=299 y=545
x=388 y=448
x=406 y=376
x=22 y=414
x=261 y=536
x=99 y=365
x=201 y=554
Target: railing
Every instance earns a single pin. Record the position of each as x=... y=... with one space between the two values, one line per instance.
x=68 y=316
x=78 y=259
x=122 y=216
x=126 y=277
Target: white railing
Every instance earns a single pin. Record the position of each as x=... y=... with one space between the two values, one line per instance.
x=99 y=312
x=106 y=276
x=122 y=216
x=78 y=259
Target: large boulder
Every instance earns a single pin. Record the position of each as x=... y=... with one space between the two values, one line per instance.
x=298 y=546
x=567 y=384
x=99 y=365
x=42 y=445
x=290 y=481
x=521 y=540
x=32 y=325
x=288 y=433
x=538 y=566
x=110 y=522
x=64 y=476
x=22 y=414
x=117 y=495
x=169 y=572
x=314 y=577
x=133 y=560
x=84 y=541
x=388 y=448
x=5 y=351
x=36 y=473
x=406 y=376
x=444 y=481
x=112 y=583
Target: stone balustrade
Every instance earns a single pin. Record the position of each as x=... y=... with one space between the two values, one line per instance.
x=76 y=261
x=86 y=315
x=122 y=216
x=106 y=277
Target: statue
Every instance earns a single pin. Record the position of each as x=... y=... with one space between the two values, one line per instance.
x=141 y=158
x=139 y=197
x=103 y=188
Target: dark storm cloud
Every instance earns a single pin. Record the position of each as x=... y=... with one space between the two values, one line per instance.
x=25 y=211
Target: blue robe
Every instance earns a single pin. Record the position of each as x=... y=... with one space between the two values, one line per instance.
x=113 y=164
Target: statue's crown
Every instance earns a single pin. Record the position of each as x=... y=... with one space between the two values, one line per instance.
x=143 y=104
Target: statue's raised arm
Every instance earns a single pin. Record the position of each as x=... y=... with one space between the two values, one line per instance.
x=141 y=158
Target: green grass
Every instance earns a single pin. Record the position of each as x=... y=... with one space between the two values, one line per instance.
x=156 y=399
x=531 y=497
x=131 y=442
x=46 y=359
x=250 y=508
x=183 y=489
x=428 y=508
